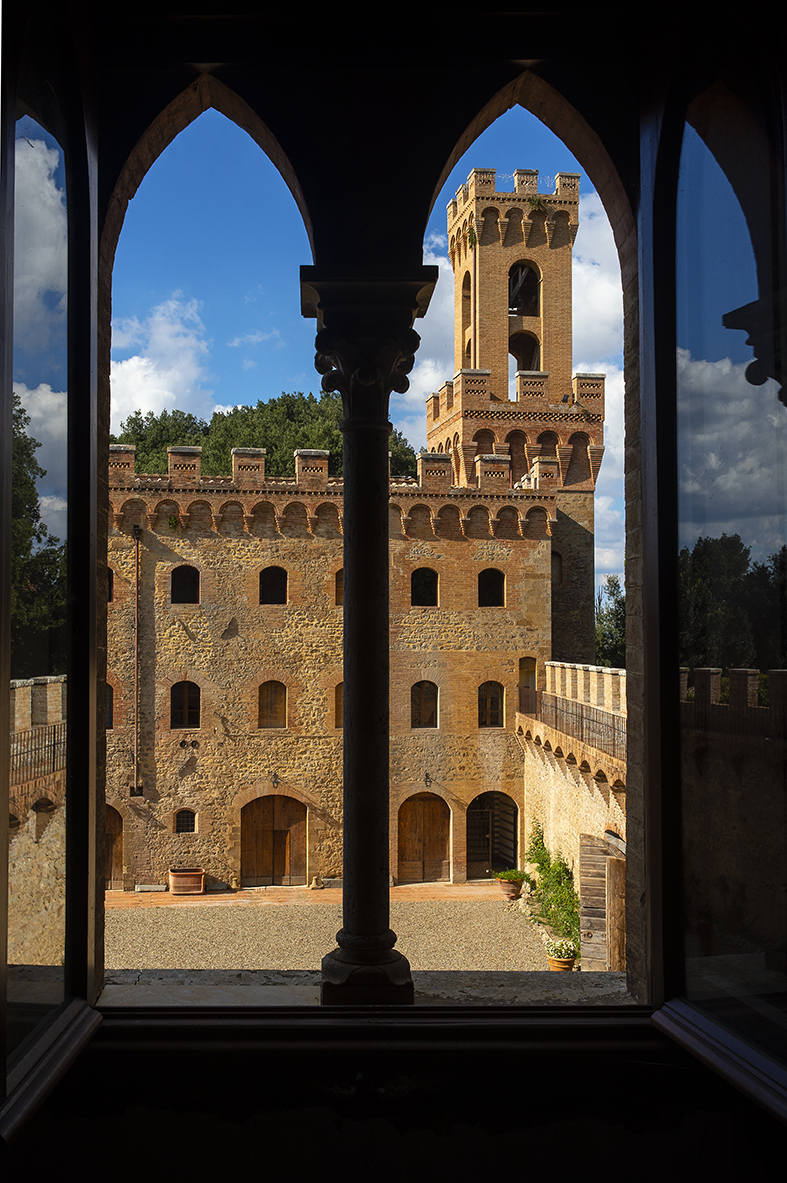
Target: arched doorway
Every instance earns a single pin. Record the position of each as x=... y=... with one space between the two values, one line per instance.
x=273 y=842
x=424 y=839
x=491 y=835
x=113 y=850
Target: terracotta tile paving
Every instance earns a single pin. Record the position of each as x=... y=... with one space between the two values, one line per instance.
x=296 y=895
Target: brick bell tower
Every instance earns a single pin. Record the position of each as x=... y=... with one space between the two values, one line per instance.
x=511 y=257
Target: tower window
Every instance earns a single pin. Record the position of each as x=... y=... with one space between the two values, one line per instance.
x=110 y=585
x=273 y=586
x=491 y=588
x=185 y=821
x=185 y=586
x=339 y=588
x=184 y=701
x=423 y=705
x=423 y=588
x=273 y=705
x=490 y=705
x=338 y=705
x=523 y=283
x=110 y=702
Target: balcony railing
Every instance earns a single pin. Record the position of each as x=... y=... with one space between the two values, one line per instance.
x=37 y=752
x=596 y=728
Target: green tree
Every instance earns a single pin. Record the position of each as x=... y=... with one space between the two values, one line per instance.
x=279 y=425
x=611 y=624
x=38 y=566
x=152 y=434
x=715 y=593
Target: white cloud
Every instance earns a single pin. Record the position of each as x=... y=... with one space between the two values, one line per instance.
x=40 y=247
x=732 y=443
x=169 y=370
x=597 y=292
x=434 y=361
x=254 y=338
x=48 y=410
x=54 y=514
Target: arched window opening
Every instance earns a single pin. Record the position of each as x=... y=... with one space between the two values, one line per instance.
x=185 y=585
x=110 y=705
x=548 y=441
x=557 y=568
x=339 y=588
x=423 y=705
x=273 y=586
x=184 y=705
x=485 y=443
x=525 y=350
x=423 y=588
x=185 y=821
x=338 y=705
x=110 y=585
x=491 y=588
x=273 y=705
x=523 y=290
x=490 y=705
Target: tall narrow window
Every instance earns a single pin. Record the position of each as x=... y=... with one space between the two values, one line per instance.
x=490 y=705
x=184 y=705
x=185 y=585
x=273 y=705
x=110 y=585
x=491 y=588
x=110 y=703
x=338 y=705
x=273 y=586
x=423 y=705
x=423 y=588
x=340 y=588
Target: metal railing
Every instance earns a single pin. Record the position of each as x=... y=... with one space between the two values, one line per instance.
x=596 y=728
x=37 y=752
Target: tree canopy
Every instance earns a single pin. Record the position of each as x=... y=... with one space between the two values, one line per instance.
x=38 y=566
x=611 y=624
x=733 y=613
x=279 y=425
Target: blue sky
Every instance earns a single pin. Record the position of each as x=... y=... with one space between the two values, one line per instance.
x=206 y=301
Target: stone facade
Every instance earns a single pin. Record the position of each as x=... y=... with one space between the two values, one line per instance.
x=225 y=612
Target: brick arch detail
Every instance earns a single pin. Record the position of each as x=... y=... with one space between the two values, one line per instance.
x=266 y=789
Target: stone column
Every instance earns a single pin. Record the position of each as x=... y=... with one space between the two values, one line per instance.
x=365 y=351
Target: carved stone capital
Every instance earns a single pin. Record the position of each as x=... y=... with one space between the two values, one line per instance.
x=365 y=370
x=763 y=320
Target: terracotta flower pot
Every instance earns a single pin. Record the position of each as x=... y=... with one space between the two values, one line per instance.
x=561 y=963
x=511 y=889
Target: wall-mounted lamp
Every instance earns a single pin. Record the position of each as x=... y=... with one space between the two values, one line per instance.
x=275 y=780
x=427 y=779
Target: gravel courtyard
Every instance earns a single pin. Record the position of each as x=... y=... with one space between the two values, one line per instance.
x=433 y=935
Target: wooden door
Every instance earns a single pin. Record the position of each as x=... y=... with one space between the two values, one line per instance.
x=113 y=850
x=424 y=837
x=273 y=842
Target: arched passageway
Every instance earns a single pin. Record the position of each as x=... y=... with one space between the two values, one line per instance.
x=424 y=839
x=113 y=850
x=491 y=835
x=273 y=842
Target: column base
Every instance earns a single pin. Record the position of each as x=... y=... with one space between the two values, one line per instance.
x=383 y=982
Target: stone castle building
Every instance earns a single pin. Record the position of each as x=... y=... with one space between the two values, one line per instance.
x=225 y=600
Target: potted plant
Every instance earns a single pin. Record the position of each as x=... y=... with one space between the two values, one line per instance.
x=561 y=953
x=187 y=880
x=511 y=882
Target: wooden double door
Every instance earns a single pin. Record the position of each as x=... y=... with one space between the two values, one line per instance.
x=273 y=842
x=424 y=839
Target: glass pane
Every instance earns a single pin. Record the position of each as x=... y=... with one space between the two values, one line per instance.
x=732 y=570
x=36 y=920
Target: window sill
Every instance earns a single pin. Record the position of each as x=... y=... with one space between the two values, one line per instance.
x=738 y=1062
x=39 y=1070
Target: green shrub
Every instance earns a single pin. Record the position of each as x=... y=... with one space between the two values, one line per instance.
x=557 y=900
